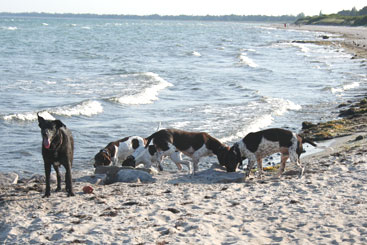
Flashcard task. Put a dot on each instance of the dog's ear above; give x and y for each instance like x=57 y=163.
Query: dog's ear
x=59 y=124
x=41 y=121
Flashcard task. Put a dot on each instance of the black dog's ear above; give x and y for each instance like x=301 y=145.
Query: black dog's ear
x=41 y=121
x=59 y=124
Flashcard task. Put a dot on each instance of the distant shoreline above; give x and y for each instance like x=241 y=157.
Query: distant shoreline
x=235 y=18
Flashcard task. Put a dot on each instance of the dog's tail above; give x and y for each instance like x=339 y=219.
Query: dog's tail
x=159 y=126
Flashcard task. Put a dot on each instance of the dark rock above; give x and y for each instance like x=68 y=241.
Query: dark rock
x=130 y=203
x=134 y=176
x=360 y=137
x=342 y=105
x=173 y=210
x=347 y=113
x=308 y=125
x=125 y=174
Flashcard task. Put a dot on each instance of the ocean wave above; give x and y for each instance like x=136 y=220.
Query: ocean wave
x=342 y=88
x=247 y=61
x=195 y=53
x=303 y=47
x=147 y=95
x=10 y=28
x=281 y=106
x=256 y=124
x=86 y=108
x=248 y=50
x=266 y=109
x=28 y=116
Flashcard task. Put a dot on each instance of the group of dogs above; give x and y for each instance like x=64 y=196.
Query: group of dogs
x=58 y=149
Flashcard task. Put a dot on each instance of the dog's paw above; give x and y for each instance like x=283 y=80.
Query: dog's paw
x=71 y=194
x=46 y=195
x=58 y=189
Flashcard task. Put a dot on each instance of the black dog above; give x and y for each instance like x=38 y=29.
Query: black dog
x=57 y=149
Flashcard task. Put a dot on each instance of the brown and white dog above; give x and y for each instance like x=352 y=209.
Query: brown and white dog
x=118 y=151
x=192 y=144
x=255 y=146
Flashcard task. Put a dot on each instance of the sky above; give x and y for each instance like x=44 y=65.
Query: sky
x=186 y=7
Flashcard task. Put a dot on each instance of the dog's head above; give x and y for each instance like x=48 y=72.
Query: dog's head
x=130 y=161
x=102 y=158
x=222 y=154
x=49 y=130
x=233 y=158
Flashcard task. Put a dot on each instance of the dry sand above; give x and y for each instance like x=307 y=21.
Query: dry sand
x=327 y=206
x=354 y=38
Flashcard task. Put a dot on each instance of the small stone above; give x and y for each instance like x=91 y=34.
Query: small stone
x=293 y=201
x=359 y=137
x=173 y=210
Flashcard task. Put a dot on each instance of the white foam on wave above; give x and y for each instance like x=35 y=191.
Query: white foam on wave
x=344 y=87
x=10 y=28
x=248 y=50
x=281 y=106
x=44 y=24
x=303 y=47
x=256 y=124
x=195 y=53
x=264 y=117
x=28 y=116
x=244 y=59
x=149 y=94
x=86 y=108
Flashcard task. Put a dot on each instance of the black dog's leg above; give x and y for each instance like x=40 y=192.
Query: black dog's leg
x=47 y=173
x=68 y=181
x=58 y=176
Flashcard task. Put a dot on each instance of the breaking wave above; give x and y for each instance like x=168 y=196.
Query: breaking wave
x=149 y=94
x=86 y=108
x=264 y=112
x=244 y=59
x=344 y=87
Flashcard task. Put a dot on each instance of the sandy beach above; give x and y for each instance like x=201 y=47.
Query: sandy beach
x=354 y=38
x=327 y=206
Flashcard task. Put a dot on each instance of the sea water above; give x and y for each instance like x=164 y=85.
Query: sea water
x=108 y=79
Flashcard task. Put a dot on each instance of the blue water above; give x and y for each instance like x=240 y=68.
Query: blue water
x=107 y=79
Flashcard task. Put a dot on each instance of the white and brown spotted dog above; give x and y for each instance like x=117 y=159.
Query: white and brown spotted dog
x=192 y=144
x=118 y=151
x=255 y=146
x=149 y=155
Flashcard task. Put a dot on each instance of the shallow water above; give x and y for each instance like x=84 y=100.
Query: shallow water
x=107 y=79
